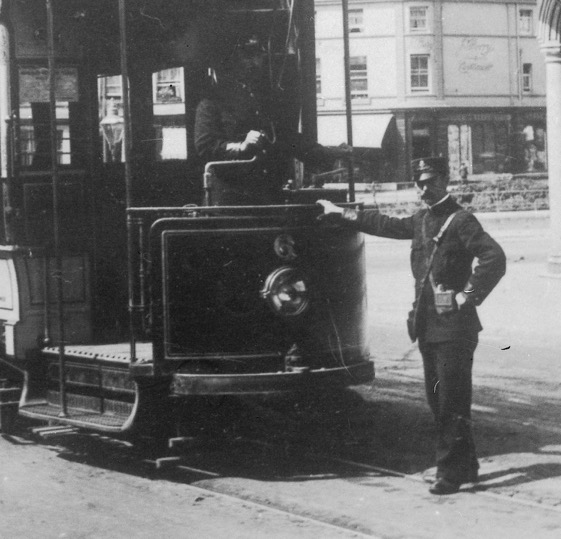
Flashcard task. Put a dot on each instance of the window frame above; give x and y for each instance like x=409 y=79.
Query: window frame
x=358 y=75
x=526 y=22
x=356 y=26
x=318 y=79
x=419 y=72
x=177 y=82
x=527 y=78
x=415 y=29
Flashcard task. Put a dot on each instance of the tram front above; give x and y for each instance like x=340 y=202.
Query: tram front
x=136 y=270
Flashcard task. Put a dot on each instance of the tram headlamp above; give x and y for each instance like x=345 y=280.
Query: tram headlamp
x=286 y=291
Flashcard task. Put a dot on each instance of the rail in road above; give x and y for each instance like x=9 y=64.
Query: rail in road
x=339 y=496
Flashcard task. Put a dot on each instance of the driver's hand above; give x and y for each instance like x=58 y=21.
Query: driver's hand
x=329 y=207
x=254 y=139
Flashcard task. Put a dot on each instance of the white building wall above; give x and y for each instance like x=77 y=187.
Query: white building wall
x=477 y=55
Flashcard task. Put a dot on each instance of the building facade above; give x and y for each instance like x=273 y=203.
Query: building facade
x=465 y=80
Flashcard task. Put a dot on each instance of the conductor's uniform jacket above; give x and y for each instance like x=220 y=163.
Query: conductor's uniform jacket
x=463 y=241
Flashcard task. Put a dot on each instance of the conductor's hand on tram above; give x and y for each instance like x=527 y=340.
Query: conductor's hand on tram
x=329 y=208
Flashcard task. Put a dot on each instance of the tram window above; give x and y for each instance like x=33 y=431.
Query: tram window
x=111 y=122
x=35 y=145
x=168 y=101
x=35 y=118
x=169 y=114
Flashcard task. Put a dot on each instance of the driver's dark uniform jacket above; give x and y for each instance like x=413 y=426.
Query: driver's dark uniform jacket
x=446 y=341
x=221 y=125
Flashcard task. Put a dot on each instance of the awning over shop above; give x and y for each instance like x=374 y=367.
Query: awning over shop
x=372 y=131
x=380 y=126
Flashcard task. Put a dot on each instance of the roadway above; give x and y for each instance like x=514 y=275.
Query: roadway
x=338 y=465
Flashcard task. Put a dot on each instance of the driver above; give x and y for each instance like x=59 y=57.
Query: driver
x=237 y=123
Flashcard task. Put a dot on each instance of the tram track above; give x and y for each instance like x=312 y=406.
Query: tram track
x=474 y=489
x=273 y=456
x=221 y=469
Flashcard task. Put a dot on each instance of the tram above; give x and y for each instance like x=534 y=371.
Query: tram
x=124 y=290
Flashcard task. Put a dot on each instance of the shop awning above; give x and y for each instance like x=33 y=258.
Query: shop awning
x=372 y=131
x=380 y=126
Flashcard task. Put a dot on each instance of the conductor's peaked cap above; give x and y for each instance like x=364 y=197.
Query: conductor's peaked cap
x=428 y=167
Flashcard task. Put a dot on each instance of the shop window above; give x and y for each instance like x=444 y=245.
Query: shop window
x=419 y=66
x=421 y=141
x=418 y=19
x=527 y=77
x=535 y=143
x=356 y=21
x=489 y=146
x=460 y=150
x=526 y=22
x=359 y=77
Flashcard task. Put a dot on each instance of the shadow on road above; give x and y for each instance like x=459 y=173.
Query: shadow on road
x=295 y=439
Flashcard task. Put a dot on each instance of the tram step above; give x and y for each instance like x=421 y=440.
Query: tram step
x=51 y=432
x=91 y=404
x=76 y=417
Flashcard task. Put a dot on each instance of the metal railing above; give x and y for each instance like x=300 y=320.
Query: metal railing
x=487 y=200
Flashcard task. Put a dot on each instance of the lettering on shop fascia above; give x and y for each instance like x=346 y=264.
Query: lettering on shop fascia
x=458 y=118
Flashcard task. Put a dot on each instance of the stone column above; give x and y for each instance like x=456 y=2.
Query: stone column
x=552 y=52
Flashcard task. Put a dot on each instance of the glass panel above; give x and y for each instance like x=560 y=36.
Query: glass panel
x=527 y=77
x=359 y=77
x=526 y=22
x=169 y=114
x=419 y=72
x=35 y=136
x=35 y=121
x=111 y=122
x=355 y=20
x=417 y=19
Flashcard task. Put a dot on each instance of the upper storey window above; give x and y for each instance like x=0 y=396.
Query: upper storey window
x=359 y=77
x=356 y=21
x=419 y=74
x=318 y=77
x=526 y=22
x=418 y=19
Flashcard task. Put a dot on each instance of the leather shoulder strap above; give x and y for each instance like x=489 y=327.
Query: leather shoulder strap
x=444 y=227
